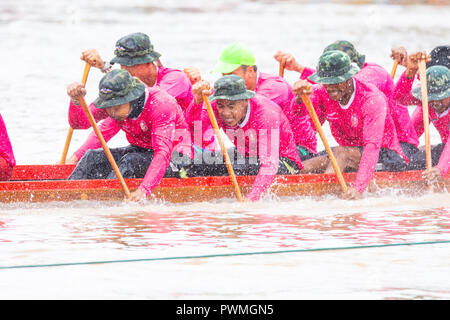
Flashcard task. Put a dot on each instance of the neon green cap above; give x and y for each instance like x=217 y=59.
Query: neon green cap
x=233 y=56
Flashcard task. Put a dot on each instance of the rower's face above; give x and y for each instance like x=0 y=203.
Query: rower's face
x=440 y=105
x=146 y=72
x=249 y=76
x=232 y=112
x=338 y=90
x=120 y=112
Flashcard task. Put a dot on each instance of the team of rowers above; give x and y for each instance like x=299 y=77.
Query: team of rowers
x=162 y=111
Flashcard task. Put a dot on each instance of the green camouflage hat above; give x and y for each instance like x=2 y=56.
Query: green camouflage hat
x=231 y=87
x=118 y=87
x=234 y=56
x=133 y=49
x=348 y=48
x=334 y=67
x=438 y=84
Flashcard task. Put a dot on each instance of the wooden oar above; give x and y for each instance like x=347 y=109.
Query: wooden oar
x=281 y=70
x=316 y=121
x=394 y=69
x=104 y=145
x=213 y=120
x=426 y=120
x=66 y=146
x=87 y=67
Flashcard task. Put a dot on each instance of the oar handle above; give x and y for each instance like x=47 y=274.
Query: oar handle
x=394 y=69
x=281 y=70
x=104 y=145
x=426 y=118
x=66 y=146
x=213 y=120
x=316 y=121
x=87 y=67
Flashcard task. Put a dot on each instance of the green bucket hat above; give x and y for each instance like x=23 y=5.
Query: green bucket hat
x=118 y=87
x=438 y=84
x=233 y=56
x=334 y=67
x=133 y=49
x=348 y=48
x=231 y=87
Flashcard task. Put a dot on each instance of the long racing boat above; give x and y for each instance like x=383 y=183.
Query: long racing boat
x=44 y=183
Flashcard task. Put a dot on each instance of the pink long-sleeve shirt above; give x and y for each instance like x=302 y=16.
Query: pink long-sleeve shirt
x=6 y=151
x=365 y=122
x=265 y=132
x=280 y=91
x=161 y=126
x=177 y=84
x=174 y=82
x=380 y=78
x=444 y=160
x=441 y=122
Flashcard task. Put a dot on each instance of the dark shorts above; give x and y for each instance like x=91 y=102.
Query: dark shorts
x=210 y=163
x=389 y=160
x=418 y=160
x=132 y=162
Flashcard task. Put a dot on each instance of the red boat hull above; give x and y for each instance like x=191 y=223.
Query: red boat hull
x=41 y=183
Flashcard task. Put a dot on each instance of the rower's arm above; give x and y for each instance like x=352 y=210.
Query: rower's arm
x=79 y=120
x=402 y=91
x=444 y=160
x=318 y=100
x=177 y=84
x=6 y=150
x=306 y=73
x=268 y=153
x=200 y=125
x=108 y=129
x=374 y=122
x=163 y=134
x=417 y=120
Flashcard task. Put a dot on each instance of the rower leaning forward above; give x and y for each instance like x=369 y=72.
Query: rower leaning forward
x=438 y=91
x=256 y=126
x=154 y=125
x=360 y=122
x=134 y=53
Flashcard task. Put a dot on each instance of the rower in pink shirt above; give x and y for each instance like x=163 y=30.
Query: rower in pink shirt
x=238 y=59
x=135 y=54
x=359 y=121
x=255 y=125
x=369 y=73
x=174 y=82
x=438 y=85
x=7 y=160
x=154 y=125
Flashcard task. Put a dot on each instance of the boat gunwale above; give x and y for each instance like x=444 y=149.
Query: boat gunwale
x=59 y=173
